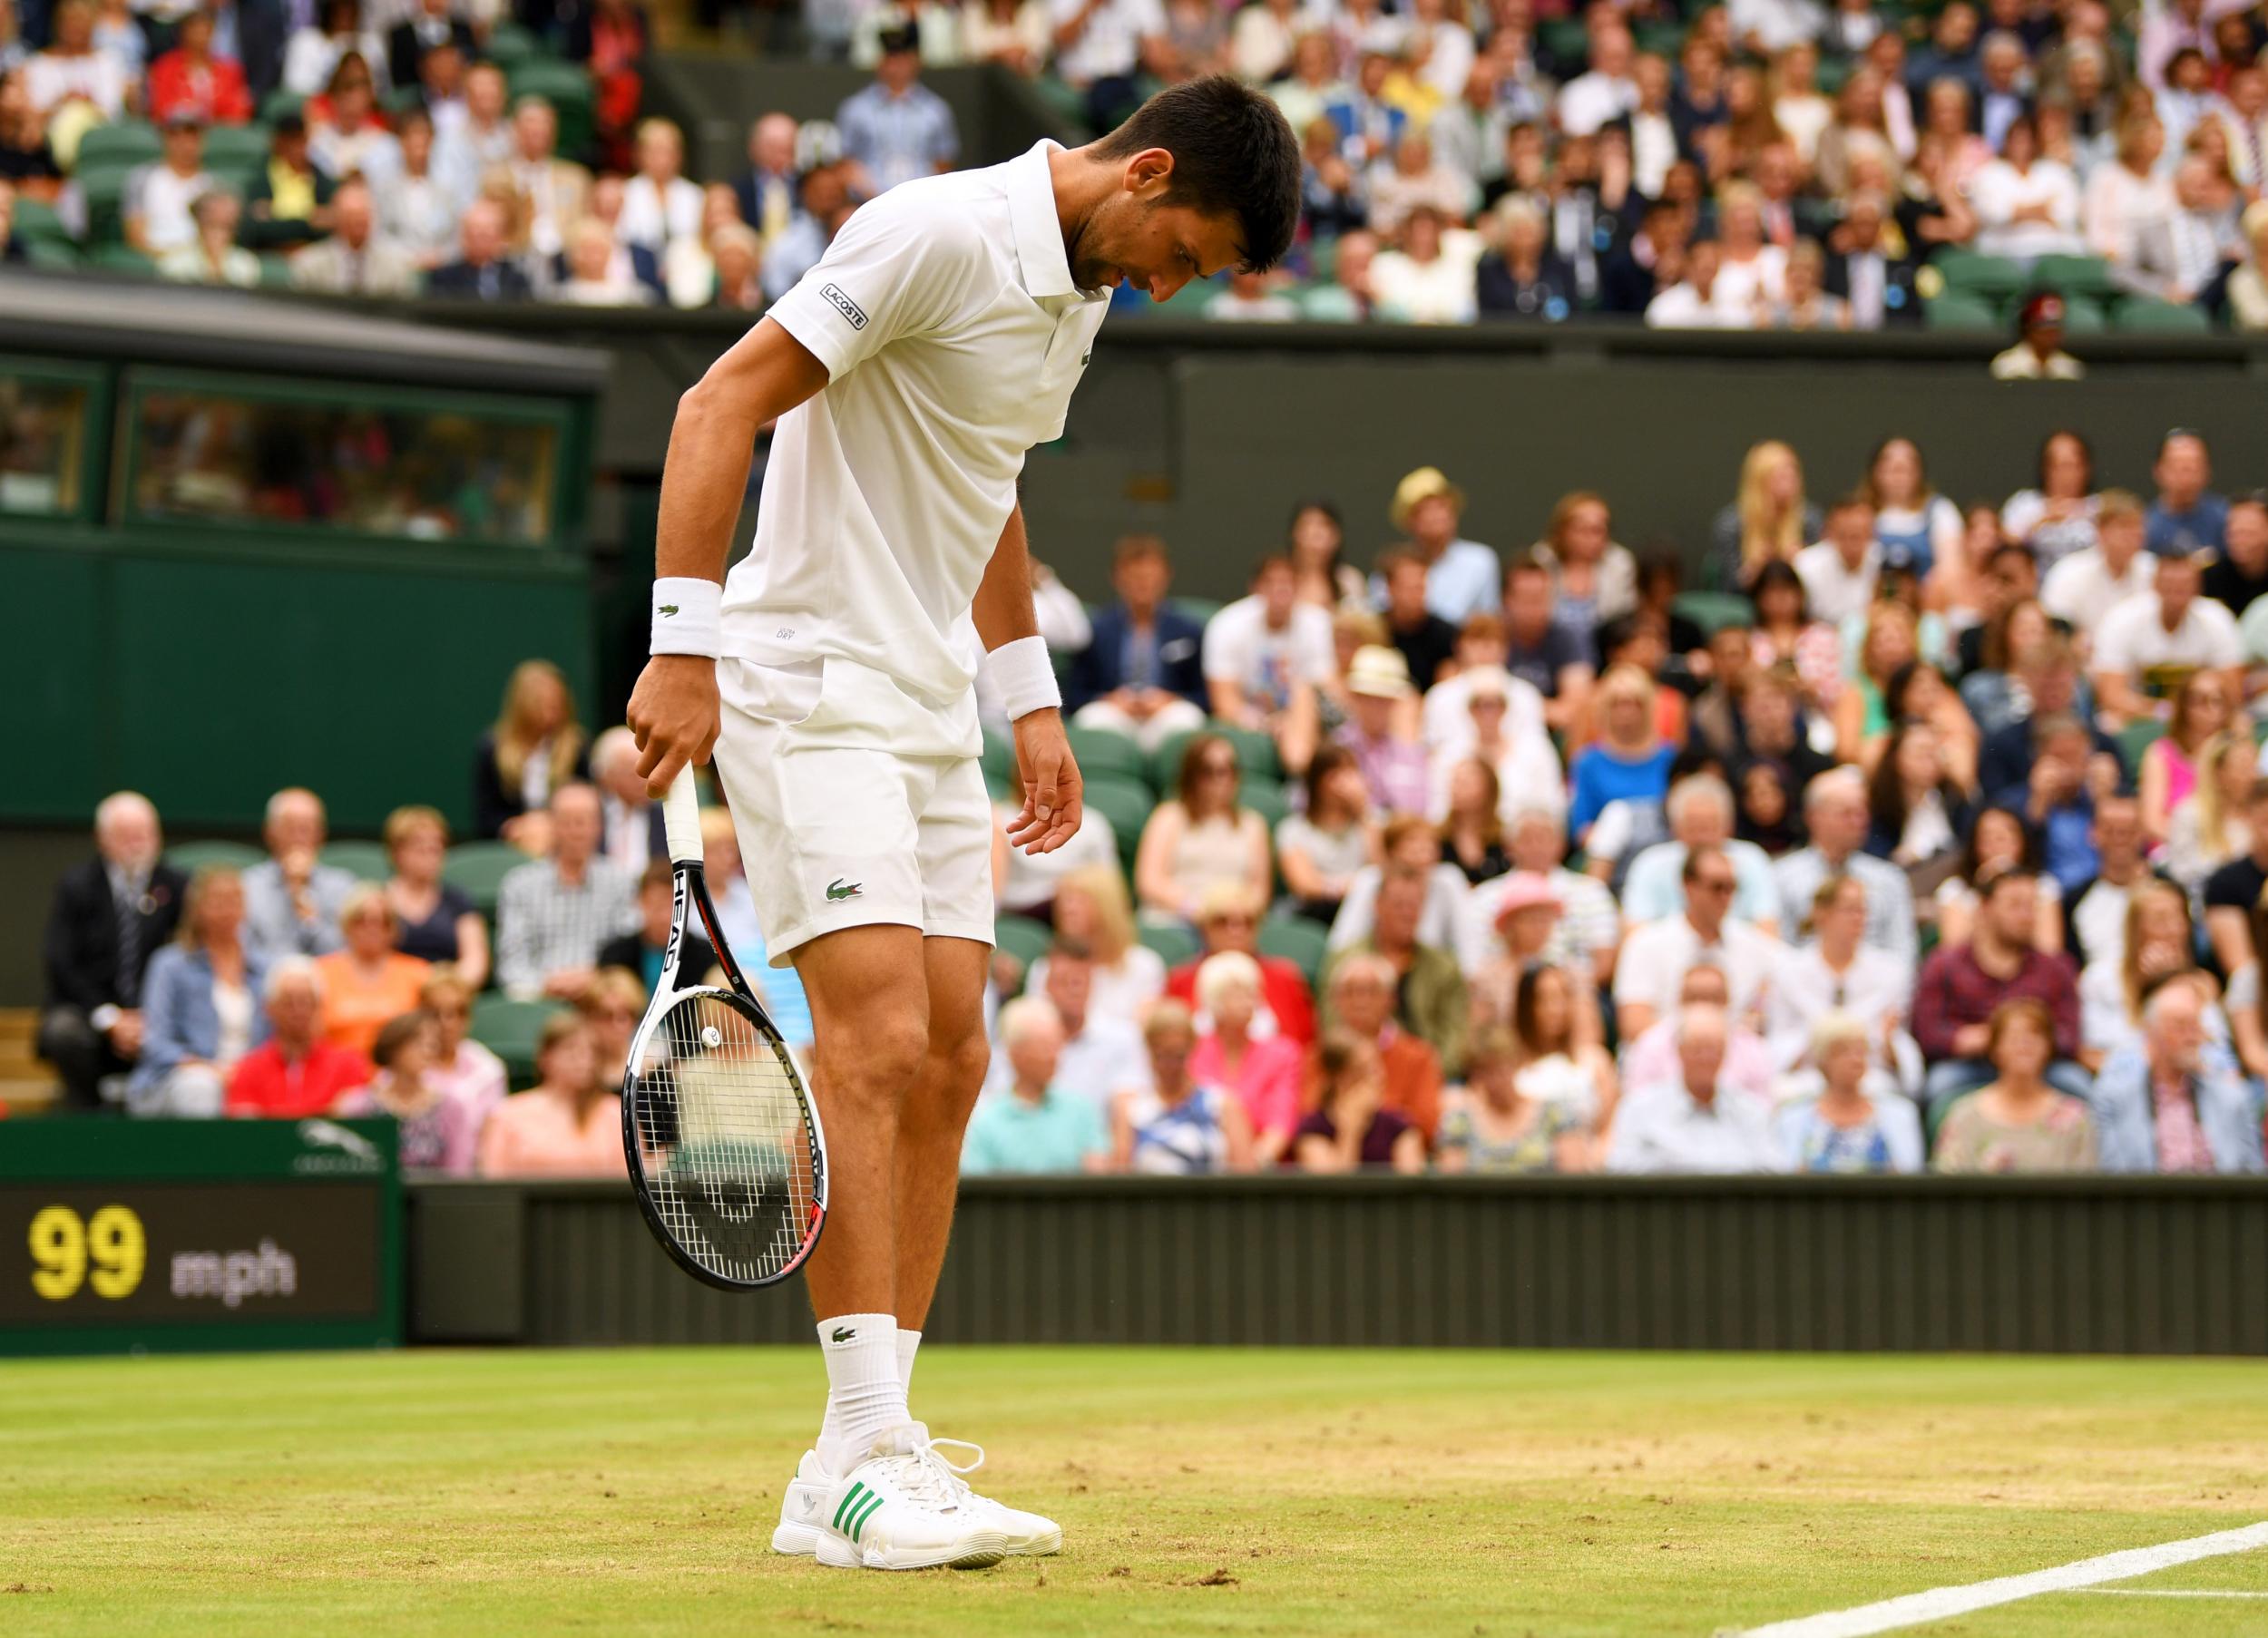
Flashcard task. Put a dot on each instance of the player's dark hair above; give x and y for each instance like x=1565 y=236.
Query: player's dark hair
x=1234 y=154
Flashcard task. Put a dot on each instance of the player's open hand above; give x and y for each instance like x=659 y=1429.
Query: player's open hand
x=673 y=711
x=1052 y=798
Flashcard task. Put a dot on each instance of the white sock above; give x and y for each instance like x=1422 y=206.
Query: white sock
x=866 y=1395
x=830 y=1424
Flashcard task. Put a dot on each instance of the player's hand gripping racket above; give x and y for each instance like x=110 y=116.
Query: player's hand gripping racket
x=724 y=1144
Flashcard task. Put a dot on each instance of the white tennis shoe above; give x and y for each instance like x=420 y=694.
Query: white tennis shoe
x=804 y=1515
x=904 y=1508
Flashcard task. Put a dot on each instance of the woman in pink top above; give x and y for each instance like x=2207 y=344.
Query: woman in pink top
x=568 y=1125
x=1263 y=1073
x=462 y=1068
x=2202 y=708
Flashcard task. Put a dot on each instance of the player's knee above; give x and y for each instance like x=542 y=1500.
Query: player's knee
x=960 y=1067
x=883 y=1055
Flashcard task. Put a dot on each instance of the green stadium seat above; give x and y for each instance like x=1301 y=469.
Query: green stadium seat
x=275 y=271
x=478 y=869
x=104 y=187
x=1126 y=804
x=1175 y=944
x=1667 y=39
x=2083 y=316
x=279 y=103
x=1199 y=609
x=1711 y=609
x=509 y=1028
x=52 y=253
x=1956 y=310
x=1993 y=278
x=2087 y=275
x=36 y=222
x=2136 y=737
x=1022 y=936
x=236 y=147
x=1268 y=798
x=194 y=856
x=566 y=87
x=1256 y=753
x=364 y=860
x=1566 y=42
x=998 y=760
x=128 y=142
x=1296 y=939
x=123 y=259
x=2148 y=315
x=509 y=45
x=1102 y=751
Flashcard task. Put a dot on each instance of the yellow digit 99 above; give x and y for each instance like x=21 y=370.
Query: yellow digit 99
x=63 y=1245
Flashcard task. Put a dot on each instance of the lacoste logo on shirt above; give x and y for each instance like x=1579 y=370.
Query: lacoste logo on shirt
x=836 y=891
x=1090 y=353
x=845 y=306
x=843 y=1333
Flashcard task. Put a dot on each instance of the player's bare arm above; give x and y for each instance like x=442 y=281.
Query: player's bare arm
x=767 y=371
x=1044 y=765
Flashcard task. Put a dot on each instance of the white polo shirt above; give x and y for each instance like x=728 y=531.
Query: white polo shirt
x=1834 y=593
x=1656 y=957
x=2133 y=638
x=952 y=336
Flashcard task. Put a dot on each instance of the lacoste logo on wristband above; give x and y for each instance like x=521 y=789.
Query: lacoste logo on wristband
x=845 y=306
x=668 y=609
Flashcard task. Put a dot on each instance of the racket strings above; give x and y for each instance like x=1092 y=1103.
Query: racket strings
x=729 y=1155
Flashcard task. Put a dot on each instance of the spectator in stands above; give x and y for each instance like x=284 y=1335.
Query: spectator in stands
x=1555 y=1024
x=109 y=915
x=1835 y=972
x=2143 y=647
x=1142 y=674
x=827 y=206
x=2181 y=257
x=1101 y=1052
x=632 y=819
x=428 y=26
x=212 y=257
x=482 y=272
x=1428 y=990
x=1690 y=303
x=2208 y=830
x=1874 y=275
x=1516 y=768
x=296 y=1072
x=1426 y=640
x=1179 y=1126
x=1960 y=985
x=658 y=204
x=1593 y=579
x=2087 y=583
x=1426 y=274
x=1919 y=809
x=553 y=914
x=640 y=950
x=1998 y=837
x=201 y=1004
x=2156 y=946
x=1500 y=1129
x=1409 y=842
x=2027 y=205
x=896 y=127
x=369 y=980
x=1201 y=836
x=347 y=135
x=292 y=899
x=158 y=196
x=1590 y=930
x=2203 y=706
x=535 y=745
x=354 y=260
x=474 y=138
x=2247 y=289
x=568 y=1125
x=412 y=205
x=1769 y=520
x=1629 y=761
x=1649 y=262
x=2057 y=517
x=552 y=194
x=2017 y=1121
x=1091 y=913
x=72 y=69
x=1542 y=653
x=1525 y=909
x=26 y=159
x=436 y=1131
x=2187 y=516
x=2038 y=355
x=1352 y=1127
x=1316 y=542
x=1842 y=1129
x=314 y=48
x=767 y=190
x=610 y=40
x=1697 y=1122
x=2127 y=195
x=1263 y=1071
x=1701 y=814
x=1228 y=919
x=1361 y=996
x=1655 y=956
x=1015 y=34
x=437 y=923
x=1392 y=760
x=465 y=1071
x=2175 y=1100
x=611 y=1006
x=2239 y=577
x=1265 y=656
x=737 y=256
x=597 y=276
x=1463 y=577
x=290 y=203
x=1320 y=848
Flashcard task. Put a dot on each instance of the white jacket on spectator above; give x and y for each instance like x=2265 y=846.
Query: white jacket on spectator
x=1998 y=191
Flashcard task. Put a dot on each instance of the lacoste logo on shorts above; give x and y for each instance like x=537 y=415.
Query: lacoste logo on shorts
x=845 y=306
x=836 y=890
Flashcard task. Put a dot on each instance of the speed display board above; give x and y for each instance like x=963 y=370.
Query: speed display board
x=122 y=1236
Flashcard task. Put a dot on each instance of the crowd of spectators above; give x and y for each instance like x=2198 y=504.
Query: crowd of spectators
x=1936 y=834
x=1760 y=163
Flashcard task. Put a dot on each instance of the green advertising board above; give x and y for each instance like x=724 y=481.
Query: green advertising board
x=124 y=1236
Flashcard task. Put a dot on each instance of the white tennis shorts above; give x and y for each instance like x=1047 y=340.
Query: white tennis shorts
x=837 y=835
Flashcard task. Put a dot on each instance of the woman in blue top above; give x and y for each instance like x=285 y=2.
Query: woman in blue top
x=1915 y=524
x=1176 y=1127
x=201 y=1004
x=1629 y=761
x=1842 y=1129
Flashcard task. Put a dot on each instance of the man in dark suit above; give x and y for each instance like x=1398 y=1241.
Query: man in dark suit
x=769 y=190
x=641 y=951
x=1143 y=675
x=1862 y=271
x=482 y=272
x=109 y=915
x=407 y=42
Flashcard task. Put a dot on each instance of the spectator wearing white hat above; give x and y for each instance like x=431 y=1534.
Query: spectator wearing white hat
x=1462 y=578
x=1527 y=768
x=1392 y=760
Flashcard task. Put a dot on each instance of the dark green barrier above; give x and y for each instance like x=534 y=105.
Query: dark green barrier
x=2055 y=1265
x=173 y=1235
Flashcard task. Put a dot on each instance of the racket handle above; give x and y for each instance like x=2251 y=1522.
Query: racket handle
x=682 y=818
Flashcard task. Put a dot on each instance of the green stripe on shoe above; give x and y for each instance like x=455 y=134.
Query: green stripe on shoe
x=851 y=1498
x=859 y=1518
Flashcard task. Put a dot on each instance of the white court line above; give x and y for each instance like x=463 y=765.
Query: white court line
x=1939 y=1602
x=2160 y=1593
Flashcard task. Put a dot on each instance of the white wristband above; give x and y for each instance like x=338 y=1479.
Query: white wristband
x=1025 y=676
x=686 y=618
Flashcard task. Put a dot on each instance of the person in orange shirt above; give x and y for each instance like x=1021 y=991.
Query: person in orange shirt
x=368 y=982
x=568 y=1125
x=1362 y=1002
x=294 y=1073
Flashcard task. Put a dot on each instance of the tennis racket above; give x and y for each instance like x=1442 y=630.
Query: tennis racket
x=724 y=1144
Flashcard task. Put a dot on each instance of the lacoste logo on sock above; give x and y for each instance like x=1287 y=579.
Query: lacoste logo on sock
x=836 y=889
x=843 y=1333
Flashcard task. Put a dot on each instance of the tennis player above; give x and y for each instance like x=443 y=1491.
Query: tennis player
x=832 y=678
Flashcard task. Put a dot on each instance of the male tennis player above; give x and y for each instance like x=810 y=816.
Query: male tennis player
x=936 y=341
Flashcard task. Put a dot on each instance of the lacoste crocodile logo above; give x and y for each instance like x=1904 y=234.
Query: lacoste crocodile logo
x=843 y=1333
x=668 y=609
x=836 y=890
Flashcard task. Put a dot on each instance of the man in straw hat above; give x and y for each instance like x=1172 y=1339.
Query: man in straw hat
x=1462 y=578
